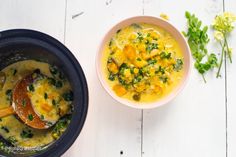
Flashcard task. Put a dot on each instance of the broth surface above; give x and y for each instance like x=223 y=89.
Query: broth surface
x=142 y=63
x=12 y=129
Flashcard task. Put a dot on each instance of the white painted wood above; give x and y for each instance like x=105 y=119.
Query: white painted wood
x=43 y=15
x=191 y=125
x=110 y=126
x=230 y=5
x=194 y=123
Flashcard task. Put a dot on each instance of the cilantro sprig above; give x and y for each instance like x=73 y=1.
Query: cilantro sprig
x=198 y=40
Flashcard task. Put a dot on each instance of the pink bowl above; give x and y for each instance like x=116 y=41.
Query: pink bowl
x=162 y=24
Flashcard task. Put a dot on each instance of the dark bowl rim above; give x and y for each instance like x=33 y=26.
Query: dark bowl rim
x=56 y=148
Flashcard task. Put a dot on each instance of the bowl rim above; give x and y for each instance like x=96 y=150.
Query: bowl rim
x=165 y=100
x=61 y=145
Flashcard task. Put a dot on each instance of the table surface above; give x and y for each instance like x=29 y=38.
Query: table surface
x=200 y=122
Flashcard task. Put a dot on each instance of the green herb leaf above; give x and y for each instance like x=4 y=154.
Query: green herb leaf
x=198 y=40
x=23 y=102
x=26 y=133
x=30 y=117
x=5 y=129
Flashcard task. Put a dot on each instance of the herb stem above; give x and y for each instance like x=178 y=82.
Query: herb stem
x=221 y=60
x=204 y=79
x=228 y=51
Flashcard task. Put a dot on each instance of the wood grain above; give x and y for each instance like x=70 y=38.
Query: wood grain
x=111 y=129
x=230 y=5
x=194 y=123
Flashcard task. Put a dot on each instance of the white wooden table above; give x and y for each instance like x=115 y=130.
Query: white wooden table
x=200 y=122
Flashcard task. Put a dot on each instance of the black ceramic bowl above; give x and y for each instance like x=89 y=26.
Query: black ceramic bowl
x=17 y=45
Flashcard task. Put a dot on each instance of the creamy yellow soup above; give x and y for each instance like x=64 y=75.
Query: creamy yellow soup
x=142 y=63
x=51 y=99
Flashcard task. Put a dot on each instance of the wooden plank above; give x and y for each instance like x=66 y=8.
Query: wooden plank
x=38 y=15
x=111 y=129
x=194 y=123
x=230 y=5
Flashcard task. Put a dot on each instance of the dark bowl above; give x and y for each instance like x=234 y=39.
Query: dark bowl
x=17 y=45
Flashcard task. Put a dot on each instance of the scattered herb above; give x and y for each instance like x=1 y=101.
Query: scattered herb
x=165 y=55
x=61 y=75
x=53 y=70
x=30 y=88
x=42 y=117
x=2 y=79
x=23 y=102
x=223 y=24
x=164 y=79
x=136 y=26
x=52 y=81
x=68 y=96
x=12 y=140
x=45 y=95
x=9 y=94
x=198 y=40
x=137 y=96
x=5 y=129
x=151 y=47
x=178 y=65
x=54 y=102
x=152 y=61
x=112 y=77
x=58 y=84
x=26 y=133
x=14 y=71
x=160 y=70
x=140 y=36
x=118 y=31
x=30 y=117
x=60 y=127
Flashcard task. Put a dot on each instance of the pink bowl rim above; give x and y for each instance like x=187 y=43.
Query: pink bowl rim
x=150 y=105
